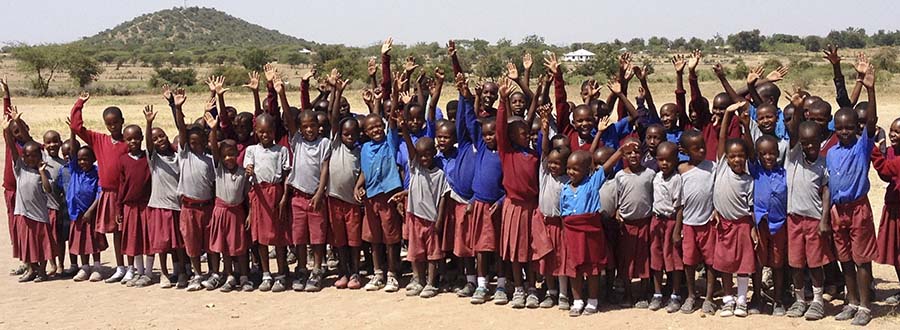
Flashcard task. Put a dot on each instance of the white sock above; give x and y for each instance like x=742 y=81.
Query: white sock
x=482 y=282
x=470 y=278
x=501 y=282
x=657 y=295
x=798 y=294
x=817 y=294
x=120 y=269
x=563 y=286
x=727 y=299
x=267 y=276
x=578 y=304
x=520 y=289
x=674 y=296
x=148 y=264
x=592 y=303
x=139 y=264
x=743 y=283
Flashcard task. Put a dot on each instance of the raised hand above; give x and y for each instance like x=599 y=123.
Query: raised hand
x=43 y=167
x=831 y=54
x=719 y=70
x=778 y=74
x=624 y=61
x=14 y=115
x=862 y=64
x=4 y=85
x=594 y=89
x=754 y=75
x=378 y=93
x=796 y=98
x=149 y=114
x=451 y=48
x=462 y=84
x=527 y=61
x=367 y=96
x=220 y=85
x=371 y=67
x=511 y=71
x=614 y=86
x=211 y=104
x=308 y=75
x=504 y=88
x=85 y=96
x=551 y=63
x=166 y=92
x=641 y=73
x=387 y=45
x=694 y=60
x=604 y=123
x=341 y=84
x=629 y=72
x=211 y=83
x=211 y=121
x=179 y=97
x=253 y=82
x=410 y=65
x=869 y=80
x=405 y=97
x=678 y=62
x=734 y=107
x=278 y=84
x=270 y=71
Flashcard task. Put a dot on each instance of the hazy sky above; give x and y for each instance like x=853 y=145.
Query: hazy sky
x=363 y=23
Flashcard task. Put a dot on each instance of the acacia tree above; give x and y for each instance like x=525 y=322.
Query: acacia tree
x=43 y=62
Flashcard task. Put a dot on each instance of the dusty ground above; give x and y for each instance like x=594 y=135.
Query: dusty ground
x=63 y=304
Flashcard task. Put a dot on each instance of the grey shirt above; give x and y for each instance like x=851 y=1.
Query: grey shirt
x=634 y=191
x=697 y=191
x=164 y=181
x=269 y=164
x=231 y=186
x=31 y=200
x=426 y=187
x=550 y=187
x=608 y=201
x=308 y=159
x=343 y=171
x=197 y=175
x=732 y=193
x=57 y=198
x=666 y=194
x=805 y=182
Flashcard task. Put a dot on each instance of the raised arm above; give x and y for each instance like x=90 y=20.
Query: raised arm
x=862 y=66
x=871 y=110
x=744 y=118
x=288 y=115
x=831 y=55
x=435 y=94
x=679 y=62
x=752 y=78
x=335 y=116
x=7 y=102
x=465 y=112
x=616 y=156
x=793 y=125
x=271 y=93
x=454 y=60
x=692 y=75
x=407 y=137
x=720 y=73
x=641 y=74
x=304 y=89
x=213 y=135
x=7 y=134
x=545 y=130
x=503 y=143
x=386 y=67
x=723 y=129
x=149 y=115
x=602 y=125
x=625 y=74
x=521 y=80
x=559 y=91
x=616 y=89
x=45 y=179
x=533 y=104
x=77 y=122
x=224 y=117
x=178 y=113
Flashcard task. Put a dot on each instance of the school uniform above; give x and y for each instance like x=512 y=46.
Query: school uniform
x=82 y=189
x=134 y=194
x=667 y=198
x=308 y=225
x=487 y=190
x=9 y=192
x=610 y=137
x=196 y=185
x=783 y=144
x=403 y=154
x=733 y=200
x=634 y=192
x=344 y=211
x=609 y=204
x=698 y=243
x=549 y=213
x=805 y=181
x=164 y=206
x=585 y=241
x=851 y=215
x=426 y=188
x=770 y=199
x=266 y=189
x=459 y=166
x=108 y=152
x=56 y=201
x=226 y=227
x=382 y=224
x=888 y=244
x=33 y=222
x=710 y=135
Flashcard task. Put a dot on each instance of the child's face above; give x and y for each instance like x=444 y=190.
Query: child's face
x=810 y=141
x=695 y=149
x=266 y=135
x=820 y=116
x=160 y=140
x=417 y=119
x=113 y=124
x=535 y=129
x=229 y=156
x=350 y=133
x=667 y=159
x=19 y=132
x=451 y=114
x=653 y=137
x=520 y=134
x=425 y=154
x=766 y=117
x=736 y=156
x=668 y=116
x=787 y=113
x=375 y=128
x=309 y=127
x=632 y=156
x=556 y=163
x=845 y=127
x=584 y=121
x=324 y=124
x=345 y=106
x=66 y=149
x=198 y=143
x=243 y=125
x=577 y=169
x=517 y=104
x=861 y=119
x=894 y=133
x=31 y=155
x=489 y=134
x=489 y=93
x=444 y=137
x=767 y=152
x=52 y=143
x=85 y=159
x=133 y=139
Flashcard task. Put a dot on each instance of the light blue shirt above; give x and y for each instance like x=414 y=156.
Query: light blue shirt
x=378 y=164
x=848 y=169
x=585 y=198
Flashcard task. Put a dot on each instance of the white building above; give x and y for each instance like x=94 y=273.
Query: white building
x=581 y=55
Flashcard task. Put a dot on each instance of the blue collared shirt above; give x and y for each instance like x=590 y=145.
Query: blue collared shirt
x=487 y=183
x=378 y=164
x=82 y=188
x=848 y=169
x=769 y=195
x=459 y=163
x=780 y=129
x=585 y=198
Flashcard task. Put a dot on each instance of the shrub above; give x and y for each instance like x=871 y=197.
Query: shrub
x=186 y=77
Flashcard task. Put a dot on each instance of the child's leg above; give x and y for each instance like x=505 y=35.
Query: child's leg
x=244 y=264
x=711 y=283
x=481 y=268
x=354 y=260
x=227 y=265
x=318 y=255
x=743 y=283
x=517 y=275
x=779 y=285
x=85 y=260
x=593 y=288
x=213 y=262
x=163 y=265
x=96 y=258
x=281 y=260
x=393 y=258
x=418 y=268
x=850 y=278
x=195 y=264
x=302 y=257
x=727 y=286
x=657 y=282
x=798 y=281
x=690 y=276
x=117 y=248
x=757 y=287
x=864 y=281
x=676 y=282
x=577 y=289
x=263 y=255
x=432 y=273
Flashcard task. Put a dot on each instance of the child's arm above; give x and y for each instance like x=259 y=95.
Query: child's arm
x=213 y=135
x=720 y=73
x=372 y=69
x=403 y=123
x=439 y=224
x=723 y=129
x=465 y=112
x=360 y=187
x=692 y=75
x=625 y=74
x=744 y=118
x=178 y=113
x=92 y=210
x=503 y=143
x=679 y=220
x=224 y=118
x=862 y=66
x=386 y=67
x=316 y=201
x=7 y=134
x=304 y=89
x=752 y=78
x=435 y=94
x=641 y=74
x=76 y=122
x=602 y=125
x=614 y=159
x=559 y=91
x=527 y=62
x=521 y=80
x=7 y=102
x=616 y=89
x=288 y=115
x=339 y=87
x=679 y=63
x=793 y=126
x=454 y=60
x=545 y=130
x=831 y=55
x=532 y=105
x=149 y=115
x=825 y=223
x=253 y=85
x=871 y=110
x=271 y=94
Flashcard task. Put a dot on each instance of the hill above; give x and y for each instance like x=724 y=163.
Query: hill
x=189 y=29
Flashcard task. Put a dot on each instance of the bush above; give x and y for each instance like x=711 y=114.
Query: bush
x=740 y=70
x=771 y=64
x=886 y=59
x=186 y=77
x=234 y=76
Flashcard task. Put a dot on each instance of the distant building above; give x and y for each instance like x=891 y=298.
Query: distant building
x=305 y=51
x=581 y=55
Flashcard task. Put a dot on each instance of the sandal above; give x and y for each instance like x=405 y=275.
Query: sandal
x=428 y=292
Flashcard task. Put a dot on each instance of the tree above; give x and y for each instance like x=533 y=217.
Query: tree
x=882 y=38
x=41 y=61
x=746 y=41
x=490 y=67
x=254 y=58
x=296 y=58
x=812 y=43
x=849 y=38
x=83 y=68
x=186 y=77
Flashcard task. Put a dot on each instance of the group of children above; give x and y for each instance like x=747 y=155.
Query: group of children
x=515 y=191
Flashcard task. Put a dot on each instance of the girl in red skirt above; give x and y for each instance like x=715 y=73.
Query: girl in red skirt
x=164 y=206
x=32 y=186
x=134 y=194
x=552 y=179
x=81 y=203
x=523 y=239
x=735 y=232
x=227 y=236
x=108 y=147
x=888 y=166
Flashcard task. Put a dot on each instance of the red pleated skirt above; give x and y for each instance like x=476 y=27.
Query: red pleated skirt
x=554 y=263
x=226 y=229
x=523 y=238
x=265 y=226
x=734 y=247
x=486 y=227
x=135 y=238
x=162 y=230
x=34 y=240
x=84 y=239
x=585 y=245
x=108 y=212
x=889 y=236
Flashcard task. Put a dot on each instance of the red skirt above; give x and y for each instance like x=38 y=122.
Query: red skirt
x=633 y=250
x=381 y=224
x=162 y=231
x=84 y=239
x=308 y=225
x=806 y=246
x=346 y=223
x=194 y=224
x=485 y=227
x=554 y=263
x=734 y=247
x=10 y=197
x=463 y=231
x=424 y=241
x=454 y=211
x=226 y=229
x=698 y=244
x=523 y=237
x=889 y=236
x=135 y=239
x=34 y=240
x=853 y=230
x=585 y=245
x=108 y=212
x=664 y=254
x=265 y=226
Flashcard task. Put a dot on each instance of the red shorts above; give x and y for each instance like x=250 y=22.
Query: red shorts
x=382 y=224
x=486 y=225
x=84 y=240
x=889 y=236
x=455 y=220
x=463 y=231
x=308 y=225
x=194 y=224
x=134 y=230
x=108 y=212
x=523 y=238
x=633 y=250
x=346 y=223
x=806 y=246
x=226 y=229
x=554 y=263
x=664 y=254
x=854 y=231
x=34 y=240
x=734 y=246
x=585 y=245
x=772 y=249
x=162 y=229
x=10 y=197
x=266 y=226
x=424 y=241
x=698 y=244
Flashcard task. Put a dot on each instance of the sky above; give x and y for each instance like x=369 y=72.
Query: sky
x=363 y=23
